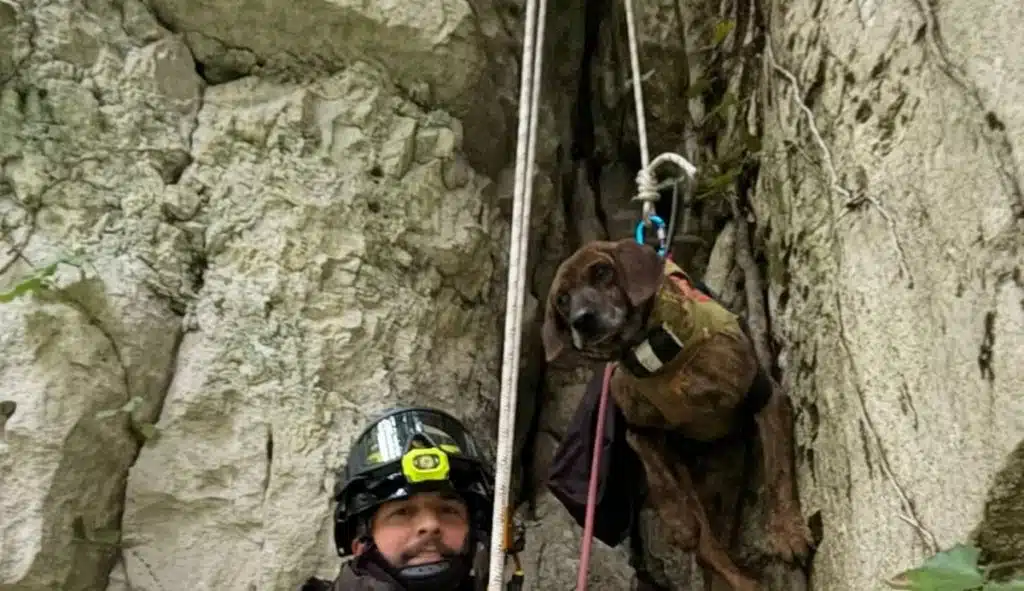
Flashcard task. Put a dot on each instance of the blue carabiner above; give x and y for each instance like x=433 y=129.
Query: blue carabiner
x=659 y=227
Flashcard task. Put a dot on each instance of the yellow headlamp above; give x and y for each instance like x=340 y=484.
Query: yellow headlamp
x=425 y=464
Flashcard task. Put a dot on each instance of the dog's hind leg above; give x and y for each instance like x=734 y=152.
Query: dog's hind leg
x=787 y=531
x=666 y=492
x=711 y=554
x=674 y=495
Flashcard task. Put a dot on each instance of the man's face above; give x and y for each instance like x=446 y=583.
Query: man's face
x=420 y=529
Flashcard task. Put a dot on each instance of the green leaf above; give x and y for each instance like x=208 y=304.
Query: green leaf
x=955 y=569
x=128 y=407
x=133 y=404
x=48 y=270
x=36 y=281
x=721 y=181
x=899 y=582
x=1014 y=585
x=31 y=283
x=722 y=31
x=25 y=286
x=148 y=431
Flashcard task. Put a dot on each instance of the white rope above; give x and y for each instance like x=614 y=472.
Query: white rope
x=647 y=188
x=522 y=196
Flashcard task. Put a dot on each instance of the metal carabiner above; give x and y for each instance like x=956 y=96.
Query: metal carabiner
x=660 y=232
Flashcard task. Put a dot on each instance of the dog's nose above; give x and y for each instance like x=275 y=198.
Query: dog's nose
x=584 y=320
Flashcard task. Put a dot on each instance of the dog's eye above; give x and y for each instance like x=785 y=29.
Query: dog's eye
x=602 y=273
x=563 y=301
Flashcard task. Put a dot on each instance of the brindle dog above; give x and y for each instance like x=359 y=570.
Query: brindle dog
x=602 y=303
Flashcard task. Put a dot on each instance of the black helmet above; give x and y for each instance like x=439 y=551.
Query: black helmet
x=404 y=452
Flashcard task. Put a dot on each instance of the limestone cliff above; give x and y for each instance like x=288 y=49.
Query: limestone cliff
x=276 y=220
x=892 y=194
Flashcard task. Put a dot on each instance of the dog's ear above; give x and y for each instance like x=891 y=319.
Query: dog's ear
x=554 y=339
x=639 y=269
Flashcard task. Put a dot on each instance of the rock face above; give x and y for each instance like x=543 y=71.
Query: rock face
x=242 y=229
x=896 y=245
x=267 y=263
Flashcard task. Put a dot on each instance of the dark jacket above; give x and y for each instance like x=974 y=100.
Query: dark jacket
x=363 y=575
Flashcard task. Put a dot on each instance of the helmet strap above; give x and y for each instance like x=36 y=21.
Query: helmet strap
x=447 y=573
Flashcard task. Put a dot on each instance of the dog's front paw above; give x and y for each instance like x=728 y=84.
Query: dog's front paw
x=789 y=536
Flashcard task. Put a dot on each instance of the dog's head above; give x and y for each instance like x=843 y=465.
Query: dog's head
x=598 y=299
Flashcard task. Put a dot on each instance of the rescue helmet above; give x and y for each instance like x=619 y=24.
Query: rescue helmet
x=407 y=451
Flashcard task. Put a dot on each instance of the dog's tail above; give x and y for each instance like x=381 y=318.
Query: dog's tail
x=758 y=395
x=749 y=469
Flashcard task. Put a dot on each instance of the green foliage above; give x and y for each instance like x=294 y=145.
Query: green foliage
x=100 y=537
x=38 y=280
x=30 y=284
x=143 y=431
x=41 y=280
x=956 y=569
x=128 y=407
x=722 y=31
x=726 y=103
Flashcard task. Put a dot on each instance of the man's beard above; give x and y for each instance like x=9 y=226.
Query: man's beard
x=435 y=542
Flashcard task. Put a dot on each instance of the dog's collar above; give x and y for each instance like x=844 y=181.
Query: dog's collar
x=659 y=347
x=660 y=344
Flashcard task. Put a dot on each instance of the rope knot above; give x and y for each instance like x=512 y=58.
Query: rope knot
x=647 y=191
x=647 y=194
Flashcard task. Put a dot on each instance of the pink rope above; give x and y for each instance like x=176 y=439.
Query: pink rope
x=595 y=465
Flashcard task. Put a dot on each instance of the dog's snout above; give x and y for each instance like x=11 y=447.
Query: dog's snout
x=584 y=320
